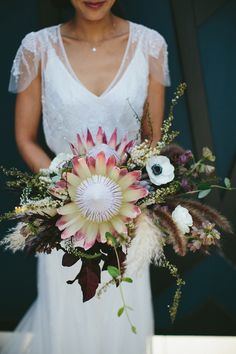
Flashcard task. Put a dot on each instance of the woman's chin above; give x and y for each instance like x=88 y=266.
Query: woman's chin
x=94 y=16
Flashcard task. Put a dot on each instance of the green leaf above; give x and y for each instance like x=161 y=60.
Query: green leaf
x=134 y=329
x=204 y=193
x=113 y=271
x=204 y=186
x=120 y=311
x=127 y=280
x=227 y=182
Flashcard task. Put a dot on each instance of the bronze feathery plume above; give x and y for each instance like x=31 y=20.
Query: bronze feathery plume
x=166 y=220
x=206 y=212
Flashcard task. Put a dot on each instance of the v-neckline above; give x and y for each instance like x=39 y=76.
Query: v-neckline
x=75 y=76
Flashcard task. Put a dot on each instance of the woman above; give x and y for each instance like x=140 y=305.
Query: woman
x=95 y=70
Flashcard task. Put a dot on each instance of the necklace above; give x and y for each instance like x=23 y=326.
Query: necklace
x=94 y=45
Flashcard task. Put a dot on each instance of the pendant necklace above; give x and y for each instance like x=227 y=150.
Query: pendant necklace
x=94 y=46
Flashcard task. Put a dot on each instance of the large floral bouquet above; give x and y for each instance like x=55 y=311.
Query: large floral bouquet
x=115 y=205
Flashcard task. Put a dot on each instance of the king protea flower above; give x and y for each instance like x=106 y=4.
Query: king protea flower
x=88 y=146
x=103 y=200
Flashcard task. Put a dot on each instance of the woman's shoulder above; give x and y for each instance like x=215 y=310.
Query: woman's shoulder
x=146 y=33
x=40 y=38
x=149 y=39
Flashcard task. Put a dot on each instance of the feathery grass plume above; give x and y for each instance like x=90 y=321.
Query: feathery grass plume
x=14 y=241
x=176 y=235
x=209 y=213
x=145 y=247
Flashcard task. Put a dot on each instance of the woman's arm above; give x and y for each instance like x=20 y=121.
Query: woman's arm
x=153 y=112
x=27 y=118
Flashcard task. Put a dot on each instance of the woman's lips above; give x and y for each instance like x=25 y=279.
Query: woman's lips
x=94 y=5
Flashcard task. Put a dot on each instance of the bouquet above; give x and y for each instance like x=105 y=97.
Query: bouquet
x=115 y=204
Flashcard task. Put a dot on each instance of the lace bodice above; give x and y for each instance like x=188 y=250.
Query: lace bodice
x=68 y=106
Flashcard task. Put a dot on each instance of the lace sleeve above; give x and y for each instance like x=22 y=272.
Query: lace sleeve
x=25 y=65
x=158 y=58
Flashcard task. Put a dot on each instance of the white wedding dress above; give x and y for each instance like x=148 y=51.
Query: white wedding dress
x=59 y=322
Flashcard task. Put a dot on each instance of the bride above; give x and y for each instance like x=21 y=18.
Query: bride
x=95 y=70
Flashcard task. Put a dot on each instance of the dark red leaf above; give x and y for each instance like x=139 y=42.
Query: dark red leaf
x=89 y=279
x=69 y=260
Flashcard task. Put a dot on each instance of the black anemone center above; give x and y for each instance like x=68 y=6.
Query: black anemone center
x=156 y=169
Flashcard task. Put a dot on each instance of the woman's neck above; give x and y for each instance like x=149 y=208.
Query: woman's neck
x=94 y=31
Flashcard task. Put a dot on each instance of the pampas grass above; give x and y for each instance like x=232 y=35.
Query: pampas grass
x=14 y=241
x=145 y=247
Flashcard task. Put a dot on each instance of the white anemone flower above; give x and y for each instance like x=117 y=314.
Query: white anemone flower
x=160 y=170
x=182 y=218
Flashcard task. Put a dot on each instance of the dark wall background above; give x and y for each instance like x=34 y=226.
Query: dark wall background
x=202 y=51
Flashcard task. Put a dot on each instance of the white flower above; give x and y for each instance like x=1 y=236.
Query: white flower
x=182 y=218
x=56 y=163
x=59 y=160
x=160 y=170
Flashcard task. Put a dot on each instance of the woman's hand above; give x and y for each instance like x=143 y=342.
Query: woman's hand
x=27 y=118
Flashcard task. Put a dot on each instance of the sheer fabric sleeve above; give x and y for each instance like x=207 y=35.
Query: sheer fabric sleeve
x=25 y=65
x=158 y=58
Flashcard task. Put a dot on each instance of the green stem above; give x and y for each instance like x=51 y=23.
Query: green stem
x=122 y=293
x=211 y=186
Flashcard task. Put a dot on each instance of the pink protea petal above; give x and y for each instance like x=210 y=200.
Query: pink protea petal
x=56 y=192
x=129 y=145
x=72 y=192
x=130 y=211
x=73 y=149
x=83 y=169
x=104 y=138
x=101 y=164
x=75 y=164
x=66 y=220
x=111 y=163
x=103 y=229
x=89 y=140
x=66 y=209
x=123 y=144
x=71 y=230
x=123 y=158
x=129 y=179
x=81 y=148
x=123 y=172
x=91 y=235
x=91 y=162
x=72 y=179
x=134 y=193
x=99 y=135
x=80 y=235
x=113 y=139
x=114 y=174
x=119 y=225
x=61 y=184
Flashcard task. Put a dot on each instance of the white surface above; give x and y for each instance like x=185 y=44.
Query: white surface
x=191 y=345
x=3 y=337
